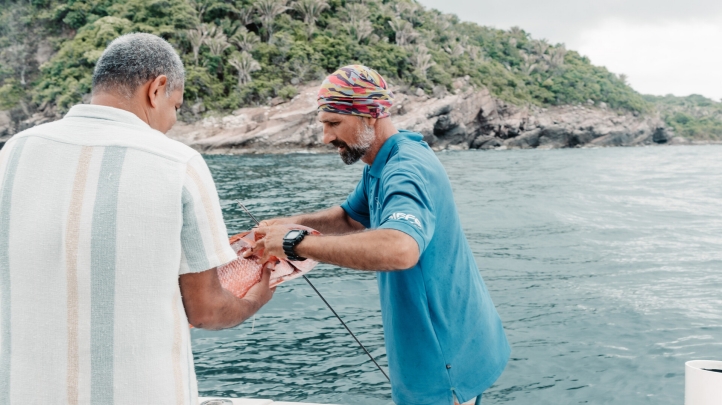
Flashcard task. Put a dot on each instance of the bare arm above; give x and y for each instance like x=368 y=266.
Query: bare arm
x=380 y=249
x=209 y=306
x=333 y=221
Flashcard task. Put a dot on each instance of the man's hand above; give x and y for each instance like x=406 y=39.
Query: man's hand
x=261 y=293
x=271 y=243
x=276 y=221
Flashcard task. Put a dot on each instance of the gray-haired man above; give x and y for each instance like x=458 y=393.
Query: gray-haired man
x=110 y=234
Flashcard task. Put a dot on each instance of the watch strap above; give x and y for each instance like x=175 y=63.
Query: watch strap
x=289 y=245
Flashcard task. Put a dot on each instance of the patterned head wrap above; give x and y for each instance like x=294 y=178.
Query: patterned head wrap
x=355 y=90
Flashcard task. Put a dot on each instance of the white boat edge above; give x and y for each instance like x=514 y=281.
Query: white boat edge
x=254 y=401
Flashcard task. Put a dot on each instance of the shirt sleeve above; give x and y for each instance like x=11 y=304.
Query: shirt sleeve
x=204 y=238
x=357 y=206
x=407 y=207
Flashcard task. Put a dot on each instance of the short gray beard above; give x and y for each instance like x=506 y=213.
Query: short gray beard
x=365 y=138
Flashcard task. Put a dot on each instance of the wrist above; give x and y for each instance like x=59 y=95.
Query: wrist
x=302 y=248
x=252 y=302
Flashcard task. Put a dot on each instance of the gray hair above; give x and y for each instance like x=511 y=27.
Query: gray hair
x=132 y=60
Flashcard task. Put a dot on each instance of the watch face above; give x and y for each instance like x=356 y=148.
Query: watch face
x=293 y=234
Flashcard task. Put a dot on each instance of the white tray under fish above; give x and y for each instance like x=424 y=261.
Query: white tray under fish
x=245 y=401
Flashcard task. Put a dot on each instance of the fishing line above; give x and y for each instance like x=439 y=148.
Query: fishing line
x=327 y=304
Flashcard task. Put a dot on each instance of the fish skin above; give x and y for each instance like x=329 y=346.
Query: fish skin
x=243 y=273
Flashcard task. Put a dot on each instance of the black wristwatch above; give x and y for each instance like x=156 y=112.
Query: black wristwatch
x=293 y=238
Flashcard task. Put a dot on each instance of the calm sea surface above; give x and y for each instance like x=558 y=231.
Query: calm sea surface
x=605 y=266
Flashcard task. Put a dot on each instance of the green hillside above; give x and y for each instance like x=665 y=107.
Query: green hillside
x=694 y=117
x=245 y=52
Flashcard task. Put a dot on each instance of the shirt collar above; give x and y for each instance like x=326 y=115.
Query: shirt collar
x=383 y=155
x=103 y=112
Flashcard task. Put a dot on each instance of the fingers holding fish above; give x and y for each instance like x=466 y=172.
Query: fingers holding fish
x=272 y=240
x=261 y=292
x=254 y=249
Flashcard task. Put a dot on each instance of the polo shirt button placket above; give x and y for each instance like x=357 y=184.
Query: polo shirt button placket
x=448 y=366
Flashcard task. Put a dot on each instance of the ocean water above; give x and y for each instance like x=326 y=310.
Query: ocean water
x=604 y=264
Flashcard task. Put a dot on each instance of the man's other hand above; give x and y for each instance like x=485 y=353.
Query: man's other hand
x=275 y=221
x=271 y=242
x=261 y=293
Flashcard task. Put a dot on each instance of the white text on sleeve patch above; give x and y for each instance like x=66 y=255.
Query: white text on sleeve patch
x=405 y=217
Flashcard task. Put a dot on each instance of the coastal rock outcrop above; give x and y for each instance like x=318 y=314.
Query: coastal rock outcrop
x=470 y=118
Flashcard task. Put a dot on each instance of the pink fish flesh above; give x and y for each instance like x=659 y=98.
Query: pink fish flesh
x=243 y=273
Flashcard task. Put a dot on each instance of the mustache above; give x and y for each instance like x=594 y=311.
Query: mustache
x=339 y=144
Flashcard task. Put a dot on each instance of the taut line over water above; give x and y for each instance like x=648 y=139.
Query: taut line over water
x=327 y=304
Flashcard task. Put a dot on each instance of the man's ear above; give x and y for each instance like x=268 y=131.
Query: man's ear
x=157 y=88
x=370 y=122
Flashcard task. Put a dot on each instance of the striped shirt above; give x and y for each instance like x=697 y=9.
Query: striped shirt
x=99 y=215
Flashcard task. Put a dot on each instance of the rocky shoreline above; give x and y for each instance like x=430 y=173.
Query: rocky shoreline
x=469 y=118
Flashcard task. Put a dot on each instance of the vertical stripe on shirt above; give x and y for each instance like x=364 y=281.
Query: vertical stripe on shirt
x=72 y=233
x=176 y=355
x=191 y=239
x=208 y=208
x=5 y=318
x=191 y=371
x=103 y=261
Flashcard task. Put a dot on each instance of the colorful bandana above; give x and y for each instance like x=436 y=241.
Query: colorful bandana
x=355 y=90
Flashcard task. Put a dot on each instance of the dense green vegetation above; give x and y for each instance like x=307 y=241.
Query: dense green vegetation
x=694 y=116
x=241 y=52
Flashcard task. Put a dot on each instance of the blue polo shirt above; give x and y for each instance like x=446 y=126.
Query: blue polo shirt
x=442 y=332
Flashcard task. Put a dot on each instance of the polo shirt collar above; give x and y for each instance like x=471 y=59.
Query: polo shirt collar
x=102 y=112
x=383 y=156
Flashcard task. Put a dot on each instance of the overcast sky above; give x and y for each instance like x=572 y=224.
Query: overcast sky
x=663 y=46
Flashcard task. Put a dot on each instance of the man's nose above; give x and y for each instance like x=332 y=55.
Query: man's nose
x=328 y=137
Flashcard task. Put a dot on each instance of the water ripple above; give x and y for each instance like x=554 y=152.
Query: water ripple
x=603 y=264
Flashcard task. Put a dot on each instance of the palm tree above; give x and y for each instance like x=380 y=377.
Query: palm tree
x=540 y=47
x=201 y=6
x=476 y=53
x=404 y=31
x=245 y=64
x=245 y=40
x=310 y=10
x=406 y=10
x=218 y=43
x=197 y=37
x=421 y=60
x=269 y=10
x=355 y=12
x=359 y=29
x=17 y=59
x=456 y=50
x=556 y=59
x=529 y=64
x=441 y=22
x=517 y=32
x=245 y=16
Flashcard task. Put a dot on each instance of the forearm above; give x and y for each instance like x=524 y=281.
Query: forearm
x=208 y=305
x=383 y=249
x=332 y=221
x=229 y=311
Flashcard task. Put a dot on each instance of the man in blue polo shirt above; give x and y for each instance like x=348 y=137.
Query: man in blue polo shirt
x=444 y=339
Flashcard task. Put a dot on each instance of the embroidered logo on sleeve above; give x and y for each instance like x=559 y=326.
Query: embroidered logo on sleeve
x=405 y=217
